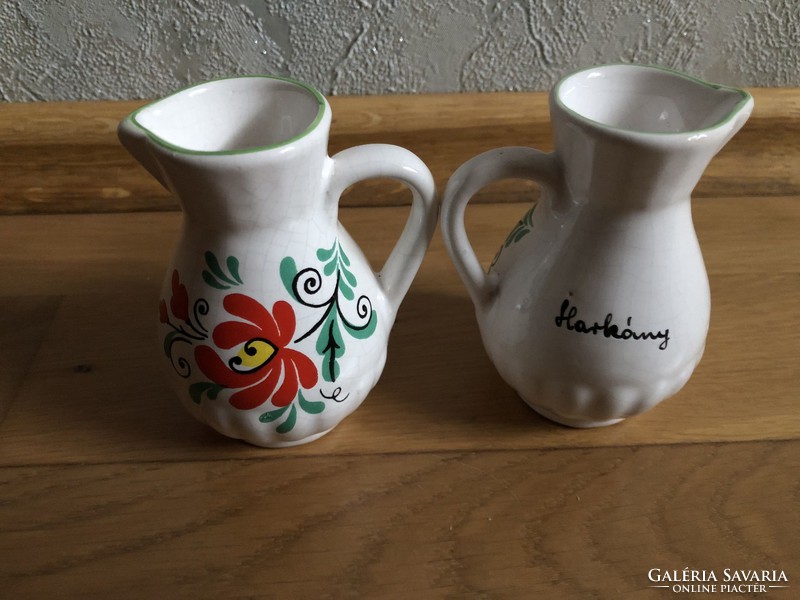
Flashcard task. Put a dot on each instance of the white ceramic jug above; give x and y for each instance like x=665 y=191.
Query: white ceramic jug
x=272 y=323
x=597 y=305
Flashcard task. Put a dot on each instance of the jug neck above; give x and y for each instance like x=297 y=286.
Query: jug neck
x=624 y=175
x=254 y=190
x=238 y=152
x=632 y=137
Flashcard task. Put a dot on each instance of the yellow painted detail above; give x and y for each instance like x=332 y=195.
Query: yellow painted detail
x=255 y=354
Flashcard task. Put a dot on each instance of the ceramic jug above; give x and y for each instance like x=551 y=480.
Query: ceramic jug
x=273 y=326
x=596 y=307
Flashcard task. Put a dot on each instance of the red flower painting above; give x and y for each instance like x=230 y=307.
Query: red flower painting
x=178 y=303
x=264 y=367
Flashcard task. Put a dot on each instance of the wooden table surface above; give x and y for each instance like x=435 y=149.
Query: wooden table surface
x=443 y=484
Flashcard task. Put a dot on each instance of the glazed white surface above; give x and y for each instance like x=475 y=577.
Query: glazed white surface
x=597 y=306
x=266 y=287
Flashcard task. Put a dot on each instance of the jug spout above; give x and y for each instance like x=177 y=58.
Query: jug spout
x=240 y=151
x=134 y=140
x=650 y=100
x=647 y=130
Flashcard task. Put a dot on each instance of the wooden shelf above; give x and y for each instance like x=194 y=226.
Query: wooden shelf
x=443 y=484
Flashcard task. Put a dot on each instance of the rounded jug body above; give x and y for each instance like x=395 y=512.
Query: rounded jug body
x=596 y=307
x=272 y=324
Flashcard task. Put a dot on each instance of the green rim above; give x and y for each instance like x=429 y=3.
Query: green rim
x=181 y=150
x=745 y=98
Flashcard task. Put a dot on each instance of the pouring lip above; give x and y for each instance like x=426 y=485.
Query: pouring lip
x=745 y=98
x=321 y=102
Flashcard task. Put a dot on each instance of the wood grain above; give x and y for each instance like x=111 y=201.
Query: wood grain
x=443 y=484
x=513 y=524
x=109 y=267
x=65 y=157
x=24 y=321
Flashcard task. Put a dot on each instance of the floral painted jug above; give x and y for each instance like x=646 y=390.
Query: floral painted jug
x=596 y=307
x=272 y=323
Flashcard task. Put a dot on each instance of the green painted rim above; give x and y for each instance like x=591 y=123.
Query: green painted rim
x=181 y=150
x=745 y=98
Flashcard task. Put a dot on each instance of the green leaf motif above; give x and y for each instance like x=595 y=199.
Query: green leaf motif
x=216 y=277
x=233 y=267
x=211 y=390
x=290 y=421
x=343 y=256
x=288 y=272
x=528 y=218
x=521 y=234
x=346 y=290
x=332 y=373
x=273 y=415
x=521 y=229
x=307 y=406
x=216 y=269
x=324 y=254
x=330 y=345
x=363 y=332
x=209 y=279
x=311 y=407
x=351 y=279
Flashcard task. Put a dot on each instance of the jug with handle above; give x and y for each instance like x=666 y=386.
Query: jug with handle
x=597 y=306
x=272 y=324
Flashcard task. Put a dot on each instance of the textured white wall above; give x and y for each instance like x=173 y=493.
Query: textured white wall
x=85 y=49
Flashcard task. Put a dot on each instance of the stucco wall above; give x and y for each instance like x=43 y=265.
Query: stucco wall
x=84 y=49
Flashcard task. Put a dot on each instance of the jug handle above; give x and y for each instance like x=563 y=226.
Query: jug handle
x=500 y=163
x=385 y=160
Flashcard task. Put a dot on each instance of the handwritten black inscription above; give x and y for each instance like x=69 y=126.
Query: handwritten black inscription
x=608 y=328
x=334 y=395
